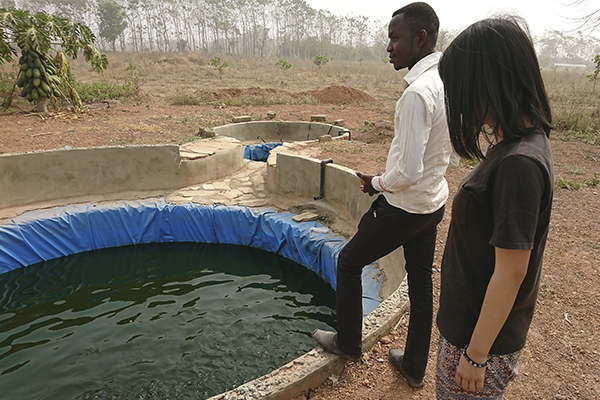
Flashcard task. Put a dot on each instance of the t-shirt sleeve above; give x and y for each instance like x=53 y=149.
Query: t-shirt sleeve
x=517 y=192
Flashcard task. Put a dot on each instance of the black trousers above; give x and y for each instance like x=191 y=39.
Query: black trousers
x=381 y=230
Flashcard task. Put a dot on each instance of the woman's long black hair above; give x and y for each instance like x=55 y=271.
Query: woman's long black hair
x=491 y=67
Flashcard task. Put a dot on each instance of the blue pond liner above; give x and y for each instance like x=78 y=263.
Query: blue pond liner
x=46 y=234
x=259 y=152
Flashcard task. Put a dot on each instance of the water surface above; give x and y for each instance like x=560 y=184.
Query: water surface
x=176 y=320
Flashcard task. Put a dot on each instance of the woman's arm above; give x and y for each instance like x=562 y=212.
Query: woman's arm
x=509 y=272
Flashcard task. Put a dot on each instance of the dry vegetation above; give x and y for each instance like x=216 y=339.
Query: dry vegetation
x=188 y=76
x=575 y=105
x=188 y=79
x=173 y=95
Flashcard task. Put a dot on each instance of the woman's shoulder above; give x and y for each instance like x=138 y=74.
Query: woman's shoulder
x=536 y=144
x=528 y=152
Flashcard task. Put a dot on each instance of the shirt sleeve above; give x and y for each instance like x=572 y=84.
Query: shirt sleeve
x=413 y=127
x=517 y=192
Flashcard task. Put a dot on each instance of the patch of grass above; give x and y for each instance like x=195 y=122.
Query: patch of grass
x=592 y=182
x=367 y=126
x=101 y=91
x=569 y=184
x=546 y=291
x=588 y=136
x=571 y=170
x=590 y=156
x=110 y=90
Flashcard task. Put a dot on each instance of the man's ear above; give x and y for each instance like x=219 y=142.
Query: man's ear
x=421 y=38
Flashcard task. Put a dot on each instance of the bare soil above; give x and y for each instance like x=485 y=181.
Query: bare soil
x=561 y=359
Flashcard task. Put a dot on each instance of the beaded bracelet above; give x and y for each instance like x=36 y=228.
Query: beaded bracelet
x=473 y=363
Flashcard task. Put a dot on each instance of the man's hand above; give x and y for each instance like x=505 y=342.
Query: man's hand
x=366 y=185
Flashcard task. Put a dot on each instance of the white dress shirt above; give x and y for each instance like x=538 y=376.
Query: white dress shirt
x=421 y=149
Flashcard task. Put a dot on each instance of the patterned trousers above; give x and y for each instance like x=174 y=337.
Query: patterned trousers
x=500 y=371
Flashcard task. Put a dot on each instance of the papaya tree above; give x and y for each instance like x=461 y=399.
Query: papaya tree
x=41 y=42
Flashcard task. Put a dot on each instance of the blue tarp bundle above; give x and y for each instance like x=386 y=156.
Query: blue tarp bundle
x=259 y=152
x=47 y=234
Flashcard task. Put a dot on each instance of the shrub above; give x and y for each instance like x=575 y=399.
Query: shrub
x=283 y=64
x=320 y=59
x=219 y=64
x=595 y=76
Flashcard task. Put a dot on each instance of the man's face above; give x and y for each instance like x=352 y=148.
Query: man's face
x=402 y=46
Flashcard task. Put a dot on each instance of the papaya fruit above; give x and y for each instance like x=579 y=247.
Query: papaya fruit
x=44 y=86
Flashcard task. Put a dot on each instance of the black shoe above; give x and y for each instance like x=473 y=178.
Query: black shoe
x=396 y=357
x=327 y=340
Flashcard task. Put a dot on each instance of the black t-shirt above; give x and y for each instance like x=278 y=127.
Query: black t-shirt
x=504 y=202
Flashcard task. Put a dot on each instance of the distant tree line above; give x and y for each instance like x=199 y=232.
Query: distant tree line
x=283 y=28
x=561 y=47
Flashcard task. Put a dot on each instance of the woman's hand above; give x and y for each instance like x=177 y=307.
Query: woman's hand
x=468 y=377
x=509 y=271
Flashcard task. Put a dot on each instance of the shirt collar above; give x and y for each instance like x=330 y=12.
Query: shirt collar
x=423 y=65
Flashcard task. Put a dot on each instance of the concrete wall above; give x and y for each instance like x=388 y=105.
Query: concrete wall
x=274 y=131
x=31 y=178
x=294 y=175
x=42 y=177
x=59 y=175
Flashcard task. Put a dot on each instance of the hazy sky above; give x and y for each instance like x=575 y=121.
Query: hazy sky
x=541 y=15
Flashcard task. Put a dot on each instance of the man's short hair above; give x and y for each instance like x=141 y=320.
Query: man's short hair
x=420 y=16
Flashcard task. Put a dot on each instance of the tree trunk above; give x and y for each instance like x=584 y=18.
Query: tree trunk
x=42 y=105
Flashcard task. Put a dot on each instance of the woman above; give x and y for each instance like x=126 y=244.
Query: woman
x=497 y=112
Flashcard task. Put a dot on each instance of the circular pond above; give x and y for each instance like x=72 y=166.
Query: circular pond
x=126 y=334
x=169 y=320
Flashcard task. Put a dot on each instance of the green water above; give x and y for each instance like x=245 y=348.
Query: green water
x=176 y=321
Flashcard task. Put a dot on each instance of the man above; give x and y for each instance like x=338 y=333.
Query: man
x=414 y=192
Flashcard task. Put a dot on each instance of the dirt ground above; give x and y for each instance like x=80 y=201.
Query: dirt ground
x=561 y=359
